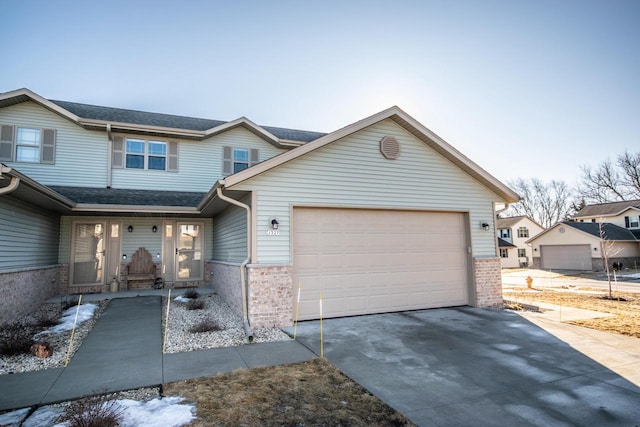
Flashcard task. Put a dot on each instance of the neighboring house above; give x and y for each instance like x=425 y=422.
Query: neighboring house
x=608 y=231
x=381 y=215
x=507 y=253
x=516 y=231
x=623 y=214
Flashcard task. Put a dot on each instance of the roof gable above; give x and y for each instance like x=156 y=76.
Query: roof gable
x=125 y=120
x=512 y=221
x=403 y=120
x=592 y=229
x=607 y=209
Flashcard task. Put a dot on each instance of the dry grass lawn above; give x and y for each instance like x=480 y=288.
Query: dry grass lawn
x=626 y=319
x=311 y=393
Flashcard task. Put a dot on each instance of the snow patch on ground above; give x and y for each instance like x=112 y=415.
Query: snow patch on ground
x=182 y=299
x=167 y=412
x=85 y=312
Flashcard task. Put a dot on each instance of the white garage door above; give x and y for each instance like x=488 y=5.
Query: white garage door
x=566 y=257
x=376 y=261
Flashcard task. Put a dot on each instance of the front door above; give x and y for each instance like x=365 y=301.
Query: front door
x=89 y=253
x=189 y=256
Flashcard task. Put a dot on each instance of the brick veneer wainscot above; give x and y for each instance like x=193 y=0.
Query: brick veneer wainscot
x=488 y=280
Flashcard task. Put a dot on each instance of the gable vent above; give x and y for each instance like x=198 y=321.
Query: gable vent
x=390 y=147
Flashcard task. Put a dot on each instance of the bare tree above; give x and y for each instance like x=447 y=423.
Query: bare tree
x=608 y=250
x=545 y=203
x=612 y=182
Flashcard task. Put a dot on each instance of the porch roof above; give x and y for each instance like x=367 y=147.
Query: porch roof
x=112 y=196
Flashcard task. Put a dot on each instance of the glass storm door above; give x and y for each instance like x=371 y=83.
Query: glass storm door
x=89 y=253
x=189 y=251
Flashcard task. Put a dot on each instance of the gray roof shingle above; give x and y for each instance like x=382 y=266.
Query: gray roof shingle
x=602 y=209
x=111 y=196
x=504 y=244
x=122 y=115
x=610 y=231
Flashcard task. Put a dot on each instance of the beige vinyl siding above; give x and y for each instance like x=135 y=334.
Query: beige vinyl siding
x=140 y=236
x=230 y=234
x=80 y=155
x=352 y=172
x=199 y=163
x=28 y=236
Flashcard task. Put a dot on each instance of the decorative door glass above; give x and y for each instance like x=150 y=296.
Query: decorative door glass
x=89 y=254
x=189 y=251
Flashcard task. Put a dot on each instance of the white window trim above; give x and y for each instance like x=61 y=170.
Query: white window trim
x=146 y=155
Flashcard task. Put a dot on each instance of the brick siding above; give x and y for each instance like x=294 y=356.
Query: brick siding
x=270 y=296
x=488 y=281
x=25 y=290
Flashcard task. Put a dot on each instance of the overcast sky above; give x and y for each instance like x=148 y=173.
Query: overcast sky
x=525 y=88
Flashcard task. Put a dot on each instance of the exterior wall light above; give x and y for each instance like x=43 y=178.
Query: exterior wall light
x=485 y=226
x=274 y=224
x=154 y=228
x=124 y=257
x=130 y=228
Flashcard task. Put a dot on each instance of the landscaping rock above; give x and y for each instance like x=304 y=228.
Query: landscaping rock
x=42 y=349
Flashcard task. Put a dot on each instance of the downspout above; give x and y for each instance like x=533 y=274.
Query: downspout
x=109 y=155
x=243 y=266
x=15 y=181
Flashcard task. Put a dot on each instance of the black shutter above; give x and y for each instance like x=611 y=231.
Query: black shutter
x=48 y=153
x=227 y=161
x=6 y=143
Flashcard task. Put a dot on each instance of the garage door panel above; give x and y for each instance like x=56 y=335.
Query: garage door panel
x=371 y=261
x=566 y=257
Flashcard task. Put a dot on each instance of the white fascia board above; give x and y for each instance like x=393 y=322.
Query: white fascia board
x=404 y=120
x=40 y=100
x=119 y=127
x=243 y=121
x=87 y=207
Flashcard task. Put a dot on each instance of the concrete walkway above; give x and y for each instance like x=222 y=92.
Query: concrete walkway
x=619 y=353
x=123 y=351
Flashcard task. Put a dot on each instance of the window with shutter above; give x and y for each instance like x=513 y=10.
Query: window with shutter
x=6 y=143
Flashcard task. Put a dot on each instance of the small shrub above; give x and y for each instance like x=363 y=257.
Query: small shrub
x=92 y=411
x=195 y=304
x=16 y=338
x=206 y=326
x=44 y=321
x=191 y=294
x=69 y=302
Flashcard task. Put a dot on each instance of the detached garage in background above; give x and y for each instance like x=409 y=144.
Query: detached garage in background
x=583 y=246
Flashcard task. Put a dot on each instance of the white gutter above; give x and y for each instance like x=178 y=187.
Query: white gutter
x=243 y=266
x=15 y=181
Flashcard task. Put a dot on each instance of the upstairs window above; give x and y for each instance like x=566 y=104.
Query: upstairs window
x=157 y=155
x=632 y=221
x=135 y=153
x=505 y=233
x=523 y=232
x=238 y=159
x=26 y=144
x=144 y=154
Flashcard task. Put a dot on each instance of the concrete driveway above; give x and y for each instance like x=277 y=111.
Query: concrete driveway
x=468 y=366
